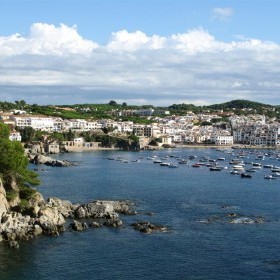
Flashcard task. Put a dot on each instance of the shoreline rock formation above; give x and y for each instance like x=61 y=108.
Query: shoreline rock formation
x=49 y=217
x=47 y=160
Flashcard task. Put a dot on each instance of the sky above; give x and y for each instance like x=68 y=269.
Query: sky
x=158 y=52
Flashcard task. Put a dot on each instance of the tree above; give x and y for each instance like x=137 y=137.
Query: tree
x=86 y=135
x=107 y=130
x=113 y=103
x=14 y=163
x=4 y=131
x=70 y=135
x=20 y=104
x=57 y=136
x=27 y=134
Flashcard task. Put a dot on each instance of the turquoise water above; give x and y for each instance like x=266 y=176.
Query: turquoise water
x=180 y=198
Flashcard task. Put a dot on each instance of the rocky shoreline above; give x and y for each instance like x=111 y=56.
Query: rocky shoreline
x=24 y=213
x=50 y=217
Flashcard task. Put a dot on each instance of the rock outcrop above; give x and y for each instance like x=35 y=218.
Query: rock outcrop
x=247 y=220
x=15 y=226
x=4 y=205
x=78 y=226
x=104 y=209
x=49 y=217
x=65 y=207
x=147 y=227
x=42 y=159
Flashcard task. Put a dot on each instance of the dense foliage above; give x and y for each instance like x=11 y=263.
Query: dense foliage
x=13 y=162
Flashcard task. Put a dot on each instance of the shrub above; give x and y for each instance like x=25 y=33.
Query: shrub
x=11 y=195
x=26 y=192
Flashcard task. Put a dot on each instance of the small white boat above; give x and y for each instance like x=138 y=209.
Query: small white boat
x=151 y=158
x=236 y=161
x=164 y=163
x=251 y=170
x=172 y=165
x=256 y=167
x=238 y=167
x=269 y=176
x=275 y=169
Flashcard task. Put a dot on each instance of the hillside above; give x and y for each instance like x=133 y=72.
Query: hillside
x=109 y=110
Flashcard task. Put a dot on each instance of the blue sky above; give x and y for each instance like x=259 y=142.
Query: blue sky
x=139 y=51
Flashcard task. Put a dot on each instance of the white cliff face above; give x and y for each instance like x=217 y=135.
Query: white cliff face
x=4 y=205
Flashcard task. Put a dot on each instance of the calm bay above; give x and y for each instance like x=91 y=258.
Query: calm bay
x=197 y=205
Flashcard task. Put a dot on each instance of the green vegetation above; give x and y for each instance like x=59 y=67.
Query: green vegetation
x=11 y=195
x=26 y=192
x=27 y=134
x=240 y=104
x=4 y=131
x=14 y=163
x=112 y=108
x=181 y=109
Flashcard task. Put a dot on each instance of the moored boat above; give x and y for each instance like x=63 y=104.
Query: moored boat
x=251 y=170
x=172 y=165
x=269 y=176
x=164 y=163
x=275 y=169
x=183 y=161
x=215 y=168
x=245 y=175
x=238 y=167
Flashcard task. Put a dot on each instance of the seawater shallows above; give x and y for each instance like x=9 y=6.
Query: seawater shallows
x=193 y=202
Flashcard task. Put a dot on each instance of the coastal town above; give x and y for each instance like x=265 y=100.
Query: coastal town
x=163 y=129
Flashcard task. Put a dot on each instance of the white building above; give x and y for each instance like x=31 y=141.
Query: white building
x=222 y=140
x=15 y=136
x=36 y=122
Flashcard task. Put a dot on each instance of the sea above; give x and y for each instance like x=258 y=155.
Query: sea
x=200 y=208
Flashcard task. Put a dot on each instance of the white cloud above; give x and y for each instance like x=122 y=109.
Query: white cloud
x=57 y=62
x=125 y=41
x=223 y=13
x=46 y=39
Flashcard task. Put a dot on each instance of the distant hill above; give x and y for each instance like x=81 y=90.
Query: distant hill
x=98 y=111
x=240 y=104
